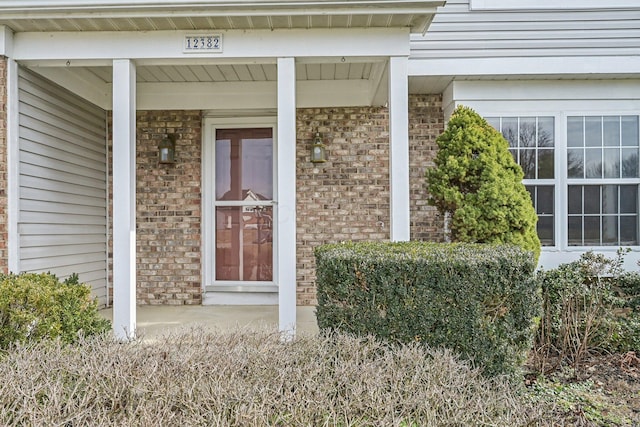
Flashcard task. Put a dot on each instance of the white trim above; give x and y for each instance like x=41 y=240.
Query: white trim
x=589 y=66
x=48 y=9
x=237 y=298
x=208 y=196
x=124 y=199
x=98 y=46
x=400 y=229
x=285 y=273
x=6 y=41
x=552 y=4
x=13 y=172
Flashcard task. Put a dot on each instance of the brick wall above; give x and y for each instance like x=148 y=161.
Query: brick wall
x=168 y=209
x=4 y=256
x=347 y=198
x=426 y=122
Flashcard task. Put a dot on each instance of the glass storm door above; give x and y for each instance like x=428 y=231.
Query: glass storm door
x=244 y=205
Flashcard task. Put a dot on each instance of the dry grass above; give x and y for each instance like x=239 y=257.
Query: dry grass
x=241 y=378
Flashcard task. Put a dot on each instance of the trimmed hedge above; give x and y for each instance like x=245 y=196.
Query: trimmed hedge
x=36 y=306
x=478 y=300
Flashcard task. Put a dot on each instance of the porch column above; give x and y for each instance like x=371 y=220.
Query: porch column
x=13 y=174
x=399 y=148
x=286 y=199
x=124 y=199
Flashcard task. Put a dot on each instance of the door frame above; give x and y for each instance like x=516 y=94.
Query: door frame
x=210 y=125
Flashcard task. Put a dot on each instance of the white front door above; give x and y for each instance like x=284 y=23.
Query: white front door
x=239 y=211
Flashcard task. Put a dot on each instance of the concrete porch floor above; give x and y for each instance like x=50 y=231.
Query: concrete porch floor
x=153 y=321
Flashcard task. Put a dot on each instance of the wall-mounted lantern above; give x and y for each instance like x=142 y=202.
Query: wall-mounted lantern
x=318 y=150
x=167 y=150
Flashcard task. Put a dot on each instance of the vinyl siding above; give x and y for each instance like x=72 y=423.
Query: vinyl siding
x=63 y=188
x=458 y=32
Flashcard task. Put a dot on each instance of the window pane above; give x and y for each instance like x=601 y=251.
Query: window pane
x=531 y=189
x=593 y=131
x=628 y=199
x=545 y=230
x=629 y=162
x=528 y=163
x=575 y=133
x=609 y=230
x=510 y=130
x=609 y=199
x=494 y=121
x=244 y=243
x=628 y=230
x=575 y=231
x=545 y=132
x=630 y=131
x=244 y=164
x=593 y=163
x=545 y=164
x=611 y=131
x=575 y=163
x=611 y=163
x=575 y=199
x=528 y=137
x=592 y=230
x=591 y=199
x=545 y=199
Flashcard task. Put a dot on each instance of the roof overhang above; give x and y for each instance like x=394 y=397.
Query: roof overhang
x=148 y=15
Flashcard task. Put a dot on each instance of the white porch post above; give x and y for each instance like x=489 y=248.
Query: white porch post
x=286 y=199
x=399 y=148
x=13 y=174
x=124 y=199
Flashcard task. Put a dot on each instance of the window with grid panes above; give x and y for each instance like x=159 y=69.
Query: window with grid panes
x=531 y=142
x=602 y=177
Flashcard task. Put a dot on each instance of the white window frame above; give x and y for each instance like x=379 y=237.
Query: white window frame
x=210 y=125
x=561 y=182
x=590 y=181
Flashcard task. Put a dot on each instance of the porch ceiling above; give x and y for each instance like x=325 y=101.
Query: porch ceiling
x=153 y=15
x=201 y=73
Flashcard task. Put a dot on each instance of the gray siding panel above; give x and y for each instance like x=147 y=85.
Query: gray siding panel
x=458 y=32
x=62 y=221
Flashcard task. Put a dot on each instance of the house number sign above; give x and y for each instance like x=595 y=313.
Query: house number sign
x=203 y=43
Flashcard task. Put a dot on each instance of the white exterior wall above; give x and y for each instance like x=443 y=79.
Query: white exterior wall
x=558 y=99
x=62 y=210
x=458 y=32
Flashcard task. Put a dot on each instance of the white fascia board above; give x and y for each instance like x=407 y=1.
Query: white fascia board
x=333 y=93
x=544 y=90
x=6 y=41
x=100 y=46
x=48 y=9
x=249 y=95
x=534 y=66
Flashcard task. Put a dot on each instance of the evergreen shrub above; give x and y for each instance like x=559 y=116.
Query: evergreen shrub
x=39 y=306
x=481 y=301
x=478 y=186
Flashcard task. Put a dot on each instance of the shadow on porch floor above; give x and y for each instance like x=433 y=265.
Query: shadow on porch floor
x=156 y=320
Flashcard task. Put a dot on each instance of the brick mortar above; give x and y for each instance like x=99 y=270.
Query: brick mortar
x=346 y=198
x=168 y=209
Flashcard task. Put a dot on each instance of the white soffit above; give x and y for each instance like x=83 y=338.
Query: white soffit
x=153 y=15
